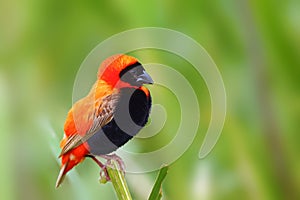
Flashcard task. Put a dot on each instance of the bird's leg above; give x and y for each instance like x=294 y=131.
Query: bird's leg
x=119 y=160
x=103 y=172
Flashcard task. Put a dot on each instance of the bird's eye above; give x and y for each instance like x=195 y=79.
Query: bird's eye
x=129 y=68
x=131 y=74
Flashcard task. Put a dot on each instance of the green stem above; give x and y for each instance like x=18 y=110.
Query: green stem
x=118 y=181
x=156 y=193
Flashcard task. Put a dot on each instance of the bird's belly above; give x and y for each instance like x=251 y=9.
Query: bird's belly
x=109 y=139
x=130 y=116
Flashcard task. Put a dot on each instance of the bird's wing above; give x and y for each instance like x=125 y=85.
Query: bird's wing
x=98 y=114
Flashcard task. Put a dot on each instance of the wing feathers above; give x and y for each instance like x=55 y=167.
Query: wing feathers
x=102 y=114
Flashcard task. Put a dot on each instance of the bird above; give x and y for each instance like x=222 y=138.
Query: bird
x=116 y=108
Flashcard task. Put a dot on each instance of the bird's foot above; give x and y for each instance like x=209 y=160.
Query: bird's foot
x=104 y=177
x=114 y=157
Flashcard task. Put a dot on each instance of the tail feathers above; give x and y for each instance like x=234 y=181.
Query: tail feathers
x=61 y=175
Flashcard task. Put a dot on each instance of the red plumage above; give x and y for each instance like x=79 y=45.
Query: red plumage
x=94 y=123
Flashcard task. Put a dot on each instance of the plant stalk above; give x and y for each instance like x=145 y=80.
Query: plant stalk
x=118 y=180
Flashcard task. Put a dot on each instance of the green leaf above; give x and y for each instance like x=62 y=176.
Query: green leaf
x=156 y=193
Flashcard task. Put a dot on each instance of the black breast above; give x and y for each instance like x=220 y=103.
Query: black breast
x=130 y=116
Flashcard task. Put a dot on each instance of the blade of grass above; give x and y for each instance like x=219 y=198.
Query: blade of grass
x=156 y=192
x=118 y=181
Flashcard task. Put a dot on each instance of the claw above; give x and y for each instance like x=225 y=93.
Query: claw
x=104 y=177
x=119 y=160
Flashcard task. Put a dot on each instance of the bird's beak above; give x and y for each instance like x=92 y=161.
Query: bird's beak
x=144 y=78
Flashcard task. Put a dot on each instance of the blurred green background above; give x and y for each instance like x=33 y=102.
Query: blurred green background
x=255 y=44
